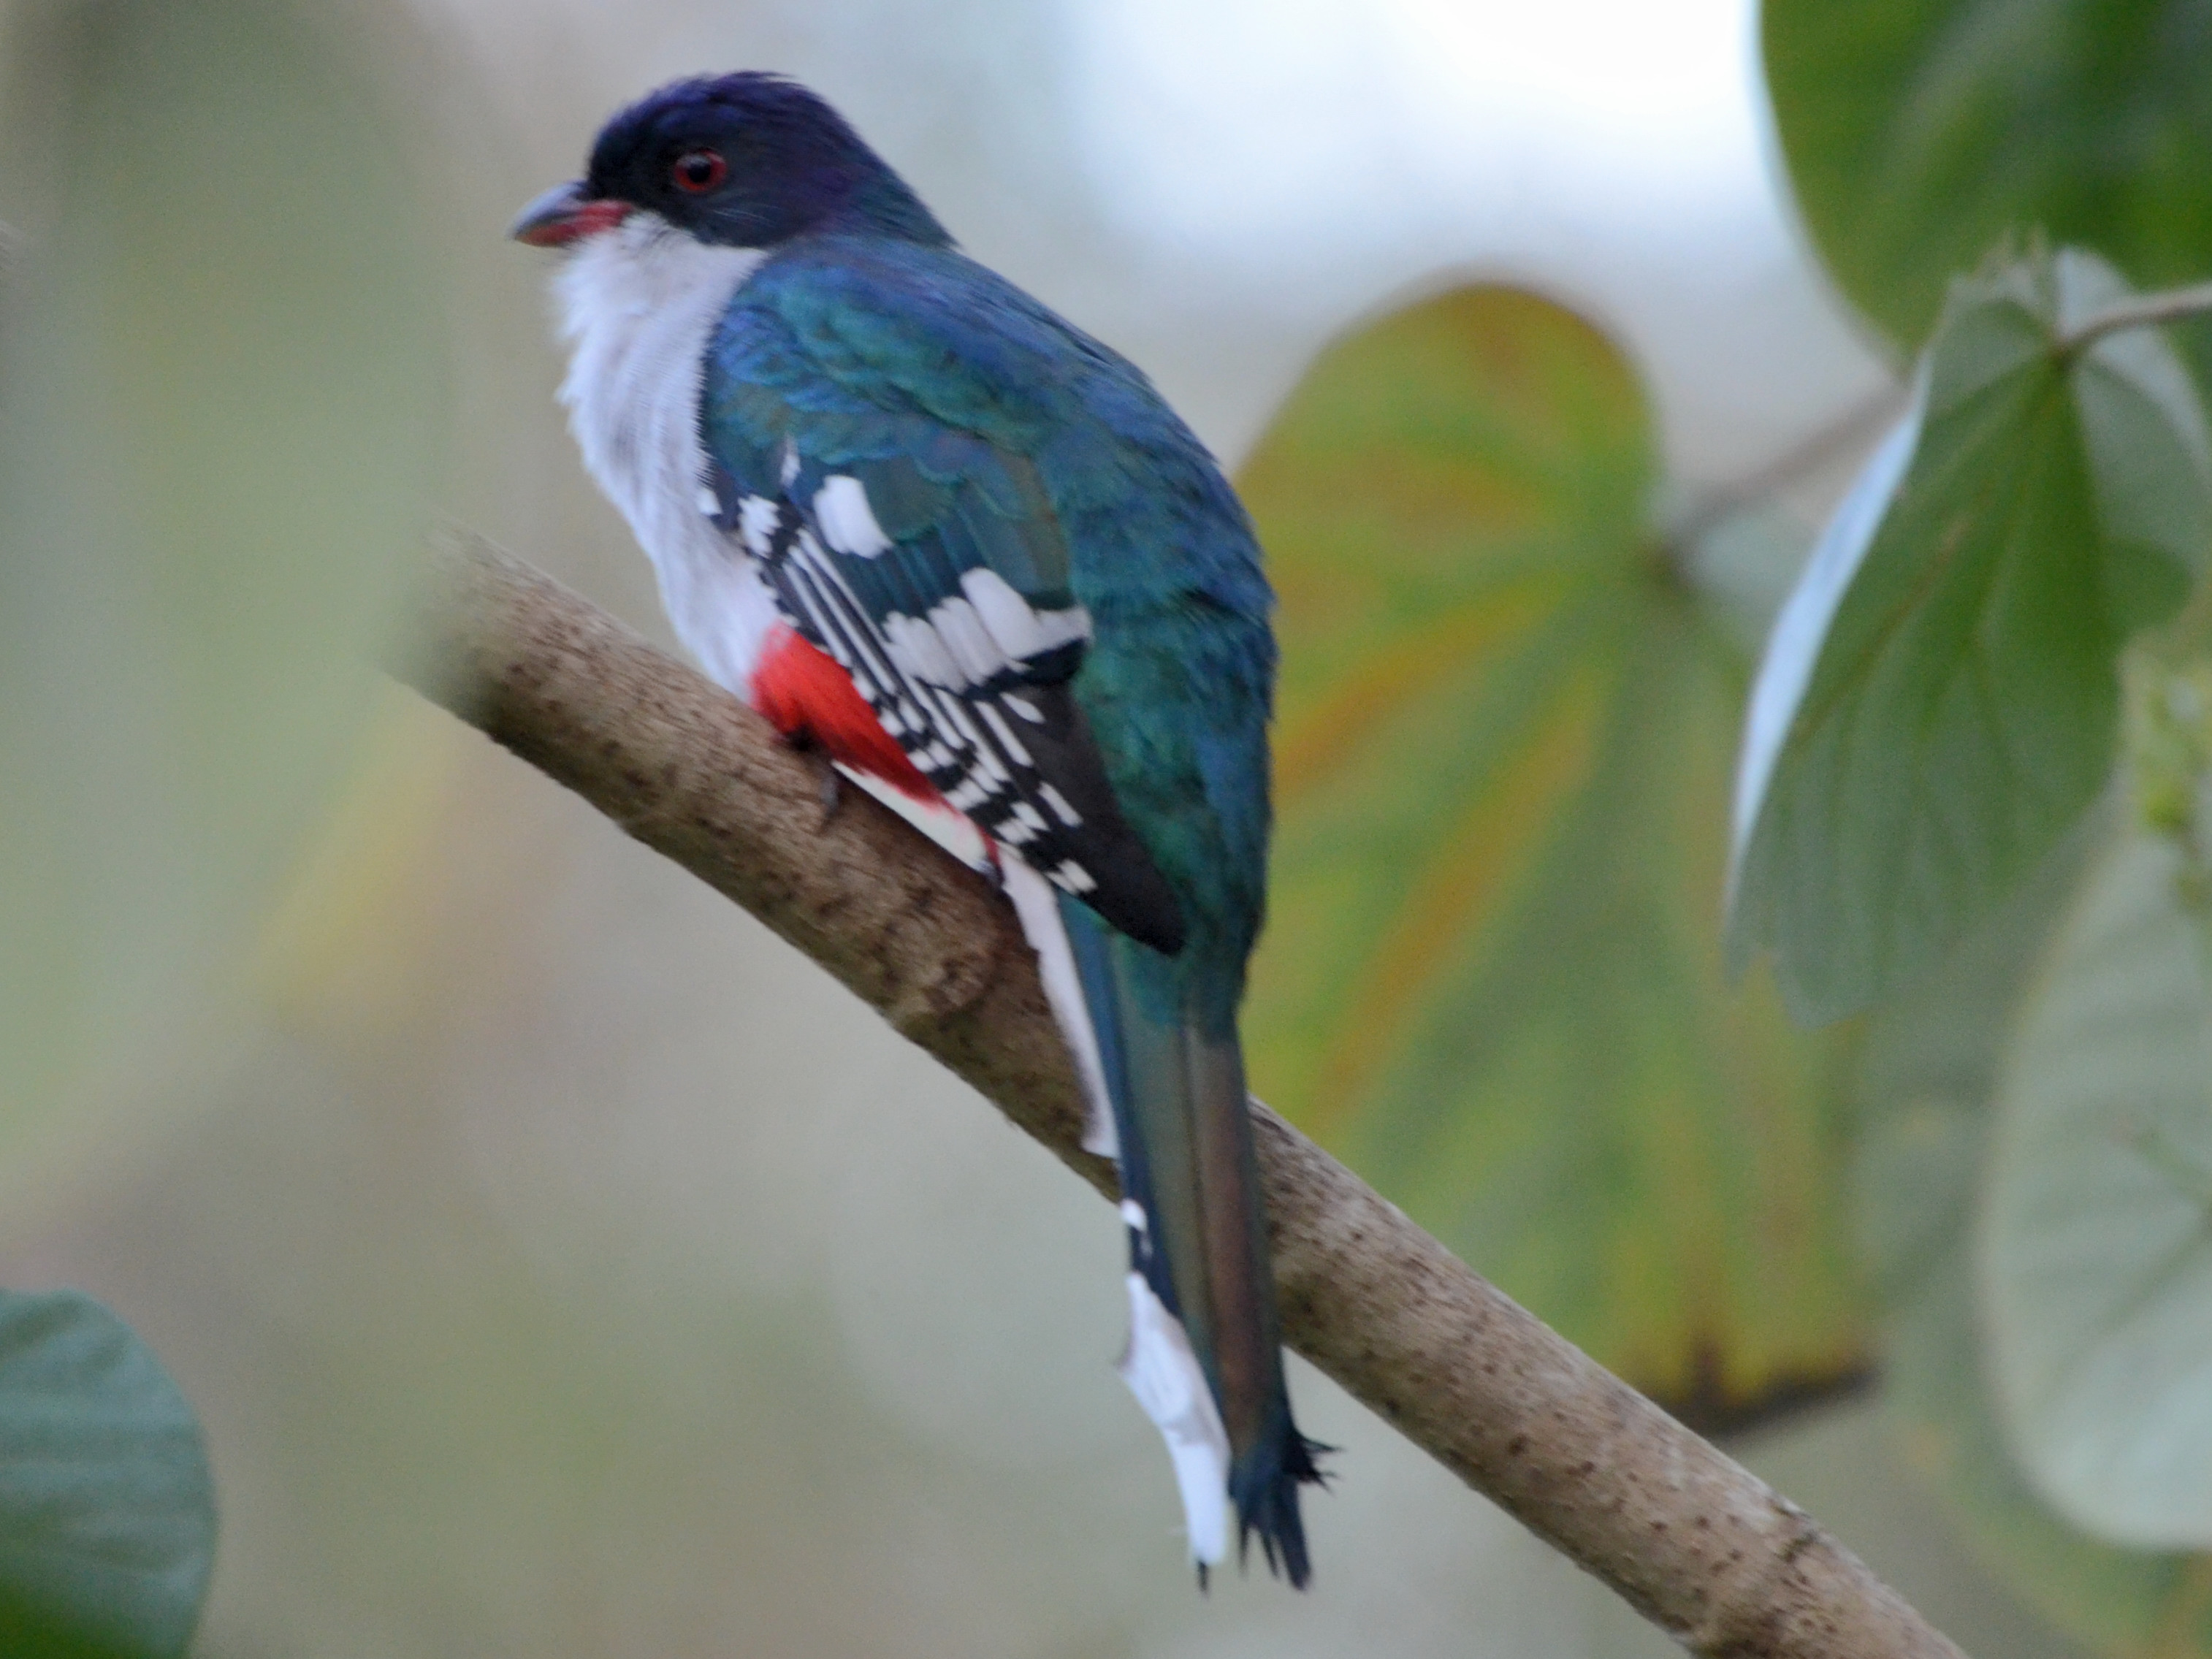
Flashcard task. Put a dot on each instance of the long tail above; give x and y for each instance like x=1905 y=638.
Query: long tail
x=1204 y=1356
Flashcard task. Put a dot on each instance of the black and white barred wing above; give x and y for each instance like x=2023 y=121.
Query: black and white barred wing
x=966 y=670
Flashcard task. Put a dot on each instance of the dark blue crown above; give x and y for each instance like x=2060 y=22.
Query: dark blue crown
x=794 y=165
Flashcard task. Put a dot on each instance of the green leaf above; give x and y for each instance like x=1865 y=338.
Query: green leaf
x=221 y=416
x=2143 y=1604
x=106 y=1512
x=1930 y=1066
x=2096 y=1247
x=1918 y=131
x=1927 y=1066
x=1930 y=1069
x=1491 y=978
x=1939 y=701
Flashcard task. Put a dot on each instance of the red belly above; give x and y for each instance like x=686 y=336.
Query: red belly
x=807 y=697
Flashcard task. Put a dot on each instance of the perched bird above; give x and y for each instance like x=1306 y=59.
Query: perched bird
x=942 y=537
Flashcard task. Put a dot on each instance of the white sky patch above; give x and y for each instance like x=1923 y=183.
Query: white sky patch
x=1247 y=125
x=1294 y=165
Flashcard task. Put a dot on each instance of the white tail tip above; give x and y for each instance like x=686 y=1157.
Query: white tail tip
x=1163 y=1374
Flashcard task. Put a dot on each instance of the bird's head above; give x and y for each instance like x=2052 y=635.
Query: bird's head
x=738 y=161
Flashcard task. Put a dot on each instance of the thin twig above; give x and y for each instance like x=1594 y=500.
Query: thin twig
x=1833 y=439
x=1869 y=415
x=2144 y=311
x=1694 y=1542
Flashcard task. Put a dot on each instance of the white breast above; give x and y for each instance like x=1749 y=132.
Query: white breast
x=638 y=305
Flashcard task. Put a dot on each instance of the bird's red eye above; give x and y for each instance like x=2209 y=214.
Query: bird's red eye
x=699 y=171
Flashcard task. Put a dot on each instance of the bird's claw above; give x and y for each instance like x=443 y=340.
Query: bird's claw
x=828 y=787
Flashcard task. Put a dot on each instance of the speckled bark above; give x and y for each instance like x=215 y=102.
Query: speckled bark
x=1696 y=1543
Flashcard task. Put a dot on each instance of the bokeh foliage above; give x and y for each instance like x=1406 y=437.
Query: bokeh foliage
x=221 y=419
x=1491 y=978
x=222 y=407
x=2096 y=1259
x=1919 y=132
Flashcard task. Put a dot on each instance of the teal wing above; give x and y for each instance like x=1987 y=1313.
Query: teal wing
x=928 y=561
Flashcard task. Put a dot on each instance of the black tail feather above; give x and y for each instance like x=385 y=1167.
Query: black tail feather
x=1264 y=1486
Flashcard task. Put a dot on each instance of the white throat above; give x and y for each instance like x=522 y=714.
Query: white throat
x=638 y=306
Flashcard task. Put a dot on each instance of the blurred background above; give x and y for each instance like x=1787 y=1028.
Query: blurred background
x=561 y=1265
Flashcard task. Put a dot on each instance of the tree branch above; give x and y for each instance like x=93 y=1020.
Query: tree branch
x=1692 y=1540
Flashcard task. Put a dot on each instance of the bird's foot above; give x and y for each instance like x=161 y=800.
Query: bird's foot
x=829 y=785
x=829 y=788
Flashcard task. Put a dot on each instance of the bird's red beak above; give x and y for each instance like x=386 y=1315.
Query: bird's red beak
x=565 y=214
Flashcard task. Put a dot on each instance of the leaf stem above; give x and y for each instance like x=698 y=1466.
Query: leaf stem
x=2144 y=311
x=1863 y=420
